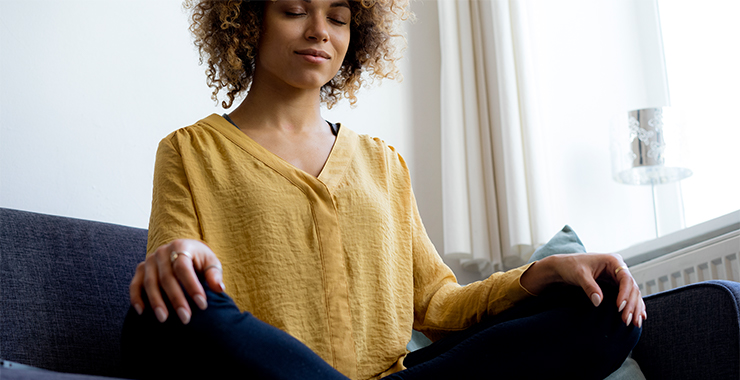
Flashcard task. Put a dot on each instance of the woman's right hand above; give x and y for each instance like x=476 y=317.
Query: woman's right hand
x=158 y=271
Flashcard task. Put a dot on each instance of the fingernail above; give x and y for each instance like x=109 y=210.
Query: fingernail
x=596 y=299
x=621 y=307
x=161 y=314
x=639 y=321
x=184 y=315
x=629 y=319
x=200 y=301
x=223 y=287
x=139 y=309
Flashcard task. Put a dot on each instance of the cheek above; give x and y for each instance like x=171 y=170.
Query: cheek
x=342 y=46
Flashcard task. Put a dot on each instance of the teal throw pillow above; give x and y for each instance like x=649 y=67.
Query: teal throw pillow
x=565 y=241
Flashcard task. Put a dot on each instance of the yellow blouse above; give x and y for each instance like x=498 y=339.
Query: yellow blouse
x=341 y=262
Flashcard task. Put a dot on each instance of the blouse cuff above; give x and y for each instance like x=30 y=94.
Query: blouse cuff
x=524 y=269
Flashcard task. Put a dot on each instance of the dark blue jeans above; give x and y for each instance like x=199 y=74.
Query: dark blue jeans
x=559 y=334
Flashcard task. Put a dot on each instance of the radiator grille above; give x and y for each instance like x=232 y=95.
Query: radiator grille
x=714 y=259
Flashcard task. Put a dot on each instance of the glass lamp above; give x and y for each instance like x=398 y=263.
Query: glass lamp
x=647 y=149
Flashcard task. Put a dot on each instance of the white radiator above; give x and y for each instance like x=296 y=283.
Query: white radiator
x=713 y=259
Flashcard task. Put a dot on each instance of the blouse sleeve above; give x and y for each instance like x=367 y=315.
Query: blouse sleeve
x=173 y=214
x=441 y=305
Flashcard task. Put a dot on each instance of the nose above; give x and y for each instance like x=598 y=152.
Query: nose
x=317 y=30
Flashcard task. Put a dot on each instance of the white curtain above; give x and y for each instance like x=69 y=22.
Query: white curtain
x=494 y=189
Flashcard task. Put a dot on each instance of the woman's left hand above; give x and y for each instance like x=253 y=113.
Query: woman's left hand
x=582 y=270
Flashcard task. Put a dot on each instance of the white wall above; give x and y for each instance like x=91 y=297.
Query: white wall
x=88 y=90
x=90 y=87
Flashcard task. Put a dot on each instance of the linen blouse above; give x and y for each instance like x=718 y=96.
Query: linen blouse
x=340 y=261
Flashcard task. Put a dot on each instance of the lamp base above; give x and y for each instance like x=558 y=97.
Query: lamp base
x=652 y=175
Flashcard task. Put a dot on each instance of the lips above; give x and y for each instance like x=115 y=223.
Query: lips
x=314 y=53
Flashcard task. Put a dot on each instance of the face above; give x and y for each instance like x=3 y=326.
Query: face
x=303 y=42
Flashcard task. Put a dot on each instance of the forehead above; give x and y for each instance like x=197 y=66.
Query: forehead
x=332 y=3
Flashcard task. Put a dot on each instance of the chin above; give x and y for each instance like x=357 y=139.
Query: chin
x=313 y=83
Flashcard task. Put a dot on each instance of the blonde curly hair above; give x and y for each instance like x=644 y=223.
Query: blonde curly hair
x=227 y=33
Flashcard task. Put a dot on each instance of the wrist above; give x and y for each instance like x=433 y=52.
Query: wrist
x=541 y=274
x=553 y=263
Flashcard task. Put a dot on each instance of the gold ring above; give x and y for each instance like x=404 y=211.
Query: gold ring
x=616 y=271
x=213 y=266
x=175 y=254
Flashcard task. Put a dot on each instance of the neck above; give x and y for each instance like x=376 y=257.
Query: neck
x=287 y=108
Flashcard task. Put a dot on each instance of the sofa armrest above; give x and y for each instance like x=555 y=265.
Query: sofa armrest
x=64 y=285
x=692 y=332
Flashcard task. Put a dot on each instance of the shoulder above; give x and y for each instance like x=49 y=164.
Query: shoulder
x=202 y=134
x=377 y=149
x=378 y=162
x=206 y=127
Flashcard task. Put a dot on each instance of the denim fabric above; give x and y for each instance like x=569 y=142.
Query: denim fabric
x=692 y=332
x=560 y=331
x=65 y=291
x=558 y=335
x=218 y=343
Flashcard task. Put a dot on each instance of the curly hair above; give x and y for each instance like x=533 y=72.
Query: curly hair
x=227 y=34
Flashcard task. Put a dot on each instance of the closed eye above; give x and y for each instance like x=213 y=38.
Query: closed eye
x=337 y=21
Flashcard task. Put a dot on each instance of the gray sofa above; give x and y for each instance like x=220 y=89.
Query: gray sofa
x=64 y=294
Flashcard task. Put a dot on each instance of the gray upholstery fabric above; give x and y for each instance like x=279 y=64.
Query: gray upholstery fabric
x=64 y=286
x=21 y=374
x=692 y=332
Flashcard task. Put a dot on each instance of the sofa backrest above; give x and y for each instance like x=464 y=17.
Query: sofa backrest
x=64 y=290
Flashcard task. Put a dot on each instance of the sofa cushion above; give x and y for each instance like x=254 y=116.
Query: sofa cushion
x=692 y=332
x=65 y=290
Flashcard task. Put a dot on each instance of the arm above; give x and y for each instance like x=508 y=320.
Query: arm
x=173 y=227
x=441 y=305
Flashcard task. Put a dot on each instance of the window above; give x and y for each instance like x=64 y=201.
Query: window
x=702 y=59
x=587 y=70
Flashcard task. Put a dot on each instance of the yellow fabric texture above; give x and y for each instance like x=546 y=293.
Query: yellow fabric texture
x=341 y=262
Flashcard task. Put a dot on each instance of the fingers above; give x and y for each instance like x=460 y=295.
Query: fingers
x=185 y=273
x=203 y=261
x=637 y=310
x=134 y=289
x=214 y=273
x=170 y=284
x=629 y=298
x=592 y=289
x=172 y=268
x=151 y=286
x=626 y=285
x=583 y=270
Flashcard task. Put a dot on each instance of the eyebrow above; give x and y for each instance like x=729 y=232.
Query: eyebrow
x=334 y=4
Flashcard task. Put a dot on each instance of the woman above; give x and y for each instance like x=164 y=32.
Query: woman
x=315 y=232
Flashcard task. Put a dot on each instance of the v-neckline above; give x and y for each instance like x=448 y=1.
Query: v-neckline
x=333 y=168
